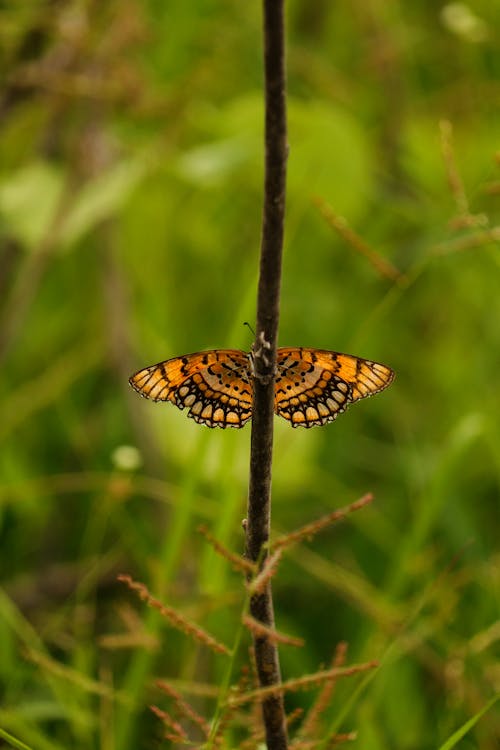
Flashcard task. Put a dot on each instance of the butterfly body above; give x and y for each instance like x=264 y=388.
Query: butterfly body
x=312 y=386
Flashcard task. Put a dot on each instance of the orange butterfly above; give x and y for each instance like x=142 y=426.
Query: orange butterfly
x=312 y=386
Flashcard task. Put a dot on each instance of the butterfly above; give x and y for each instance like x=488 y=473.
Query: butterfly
x=312 y=386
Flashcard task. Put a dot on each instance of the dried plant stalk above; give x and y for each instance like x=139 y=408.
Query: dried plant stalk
x=310 y=529
x=260 y=630
x=238 y=562
x=264 y=359
x=300 y=683
x=175 y=619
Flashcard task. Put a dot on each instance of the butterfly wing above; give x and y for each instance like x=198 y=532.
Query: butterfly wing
x=313 y=386
x=215 y=386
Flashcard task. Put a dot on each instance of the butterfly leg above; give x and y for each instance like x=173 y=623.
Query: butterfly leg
x=260 y=352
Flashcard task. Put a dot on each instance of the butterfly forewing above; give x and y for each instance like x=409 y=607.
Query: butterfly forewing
x=312 y=386
x=214 y=386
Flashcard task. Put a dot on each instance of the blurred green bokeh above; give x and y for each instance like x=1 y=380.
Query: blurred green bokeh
x=130 y=206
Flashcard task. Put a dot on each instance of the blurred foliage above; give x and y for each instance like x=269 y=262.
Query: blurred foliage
x=130 y=204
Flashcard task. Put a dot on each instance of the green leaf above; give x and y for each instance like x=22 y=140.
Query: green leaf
x=13 y=741
x=462 y=731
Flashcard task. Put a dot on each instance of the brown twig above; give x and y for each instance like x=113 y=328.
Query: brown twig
x=184 y=708
x=301 y=683
x=464 y=218
x=339 y=739
x=259 y=584
x=175 y=618
x=294 y=716
x=311 y=723
x=310 y=529
x=239 y=563
x=177 y=734
x=378 y=262
x=264 y=361
x=452 y=173
x=468 y=241
x=260 y=630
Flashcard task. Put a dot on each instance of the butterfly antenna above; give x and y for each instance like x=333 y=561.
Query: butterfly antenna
x=250 y=327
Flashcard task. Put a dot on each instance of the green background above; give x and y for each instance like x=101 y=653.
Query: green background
x=130 y=207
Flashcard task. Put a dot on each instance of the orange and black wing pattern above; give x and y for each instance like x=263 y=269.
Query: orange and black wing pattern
x=215 y=386
x=313 y=386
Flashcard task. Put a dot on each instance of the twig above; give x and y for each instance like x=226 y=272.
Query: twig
x=452 y=174
x=239 y=563
x=300 y=683
x=264 y=360
x=378 y=262
x=258 y=629
x=175 y=618
x=464 y=218
x=310 y=529
x=468 y=241
x=184 y=708
x=311 y=723
x=178 y=734
x=258 y=584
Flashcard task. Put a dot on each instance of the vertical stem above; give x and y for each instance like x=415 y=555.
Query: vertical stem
x=264 y=355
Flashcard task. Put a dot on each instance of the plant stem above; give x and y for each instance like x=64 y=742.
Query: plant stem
x=264 y=356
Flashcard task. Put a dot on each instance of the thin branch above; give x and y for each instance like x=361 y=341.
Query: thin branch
x=178 y=734
x=310 y=529
x=258 y=629
x=238 y=563
x=258 y=584
x=184 y=708
x=452 y=173
x=382 y=266
x=311 y=724
x=302 y=683
x=264 y=359
x=464 y=218
x=175 y=618
x=470 y=241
